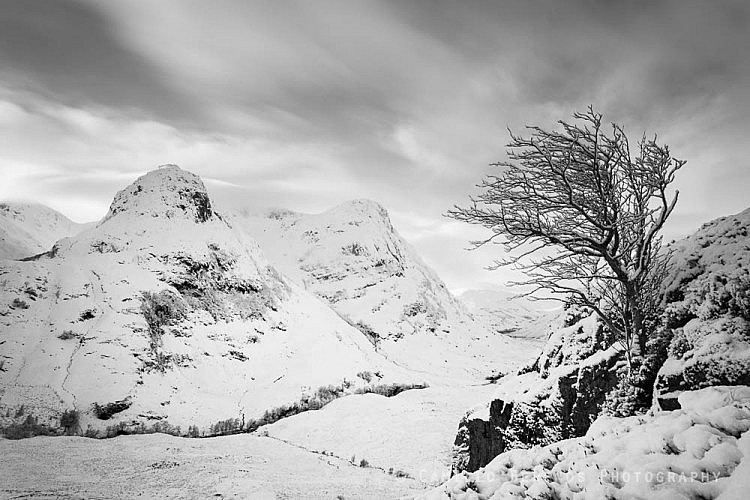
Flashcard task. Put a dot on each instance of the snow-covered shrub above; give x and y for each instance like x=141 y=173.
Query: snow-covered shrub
x=29 y=427
x=411 y=310
x=70 y=421
x=739 y=290
x=67 y=335
x=354 y=249
x=368 y=332
x=106 y=411
x=390 y=390
x=19 y=304
x=162 y=309
x=86 y=315
x=680 y=344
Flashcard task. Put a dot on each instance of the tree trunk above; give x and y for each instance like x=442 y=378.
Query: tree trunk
x=637 y=340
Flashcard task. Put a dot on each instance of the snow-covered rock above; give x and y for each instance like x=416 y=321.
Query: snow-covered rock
x=700 y=451
x=708 y=309
x=164 y=312
x=352 y=257
x=28 y=229
x=556 y=397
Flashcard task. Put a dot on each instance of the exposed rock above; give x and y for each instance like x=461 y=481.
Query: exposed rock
x=558 y=397
x=699 y=451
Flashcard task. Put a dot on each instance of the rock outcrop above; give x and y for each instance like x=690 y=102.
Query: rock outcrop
x=557 y=397
x=706 y=326
x=708 y=310
x=699 y=451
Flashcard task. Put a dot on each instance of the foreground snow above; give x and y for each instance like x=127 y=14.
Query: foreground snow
x=700 y=451
x=412 y=432
x=162 y=466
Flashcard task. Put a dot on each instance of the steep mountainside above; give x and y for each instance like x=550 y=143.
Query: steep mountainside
x=352 y=257
x=165 y=313
x=29 y=229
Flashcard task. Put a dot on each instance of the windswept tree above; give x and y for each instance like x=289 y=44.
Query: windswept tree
x=580 y=213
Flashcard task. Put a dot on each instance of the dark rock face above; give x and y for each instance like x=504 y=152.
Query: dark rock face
x=482 y=439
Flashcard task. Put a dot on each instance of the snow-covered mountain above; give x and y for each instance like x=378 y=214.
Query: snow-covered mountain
x=28 y=229
x=166 y=313
x=352 y=257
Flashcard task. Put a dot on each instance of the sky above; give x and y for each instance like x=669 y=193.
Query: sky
x=305 y=105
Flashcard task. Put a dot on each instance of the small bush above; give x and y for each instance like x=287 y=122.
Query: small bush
x=364 y=463
x=105 y=412
x=354 y=249
x=159 y=310
x=162 y=309
x=366 y=376
x=390 y=390
x=368 y=332
x=67 y=335
x=739 y=303
x=70 y=421
x=86 y=315
x=91 y=433
x=239 y=356
x=494 y=377
x=30 y=427
x=19 y=304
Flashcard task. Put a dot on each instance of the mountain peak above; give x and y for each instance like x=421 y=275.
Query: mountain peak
x=168 y=191
x=361 y=207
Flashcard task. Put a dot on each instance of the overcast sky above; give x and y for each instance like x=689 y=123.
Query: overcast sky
x=305 y=105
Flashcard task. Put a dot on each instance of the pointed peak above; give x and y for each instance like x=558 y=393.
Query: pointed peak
x=362 y=206
x=166 y=191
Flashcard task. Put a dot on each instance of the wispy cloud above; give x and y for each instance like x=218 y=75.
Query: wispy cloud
x=307 y=104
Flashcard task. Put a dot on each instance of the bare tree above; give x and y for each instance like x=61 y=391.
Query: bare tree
x=581 y=215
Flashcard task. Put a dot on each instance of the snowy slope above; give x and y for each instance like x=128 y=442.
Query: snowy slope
x=700 y=451
x=352 y=257
x=412 y=432
x=28 y=229
x=219 y=334
x=162 y=466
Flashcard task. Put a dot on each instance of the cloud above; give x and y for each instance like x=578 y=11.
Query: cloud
x=307 y=104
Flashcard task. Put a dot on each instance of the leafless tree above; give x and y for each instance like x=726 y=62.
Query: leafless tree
x=581 y=215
